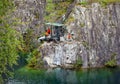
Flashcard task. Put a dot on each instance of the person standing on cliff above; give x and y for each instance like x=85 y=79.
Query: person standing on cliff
x=46 y=33
x=69 y=37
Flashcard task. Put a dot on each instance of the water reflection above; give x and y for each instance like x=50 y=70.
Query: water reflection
x=62 y=76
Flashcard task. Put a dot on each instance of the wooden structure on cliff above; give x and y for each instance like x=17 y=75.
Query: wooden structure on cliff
x=57 y=31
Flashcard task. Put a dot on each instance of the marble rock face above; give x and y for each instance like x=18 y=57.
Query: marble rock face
x=96 y=38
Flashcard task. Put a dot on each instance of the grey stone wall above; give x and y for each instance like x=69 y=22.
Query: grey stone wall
x=63 y=54
x=97 y=38
x=29 y=14
x=98 y=28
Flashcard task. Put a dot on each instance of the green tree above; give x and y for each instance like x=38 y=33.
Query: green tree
x=8 y=48
x=9 y=40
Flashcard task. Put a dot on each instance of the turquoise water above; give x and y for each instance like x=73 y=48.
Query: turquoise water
x=62 y=76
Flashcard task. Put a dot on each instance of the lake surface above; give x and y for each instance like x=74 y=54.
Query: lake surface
x=62 y=76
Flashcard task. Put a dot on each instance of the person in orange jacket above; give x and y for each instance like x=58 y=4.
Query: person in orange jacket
x=48 y=30
x=46 y=33
x=69 y=36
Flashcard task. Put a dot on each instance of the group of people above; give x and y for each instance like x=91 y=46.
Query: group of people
x=68 y=37
x=48 y=32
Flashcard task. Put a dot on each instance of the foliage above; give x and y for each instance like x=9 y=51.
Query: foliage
x=4 y=6
x=30 y=47
x=112 y=61
x=84 y=3
x=102 y=2
x=86 y=44
x=82 y=24
x=1 y=80
x=29 y=44
x=69 y=20
x=9 y=39
x=78 y=63
x=34 y=59
x=54 y=10
x=109 y=1
x=9 y=43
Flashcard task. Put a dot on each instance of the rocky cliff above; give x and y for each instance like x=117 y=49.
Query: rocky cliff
x=29 y=15
x=99 y=30
x=96 y=30
x=63 y=54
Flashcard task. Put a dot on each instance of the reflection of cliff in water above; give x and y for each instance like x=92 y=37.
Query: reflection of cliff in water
x=62 y=76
